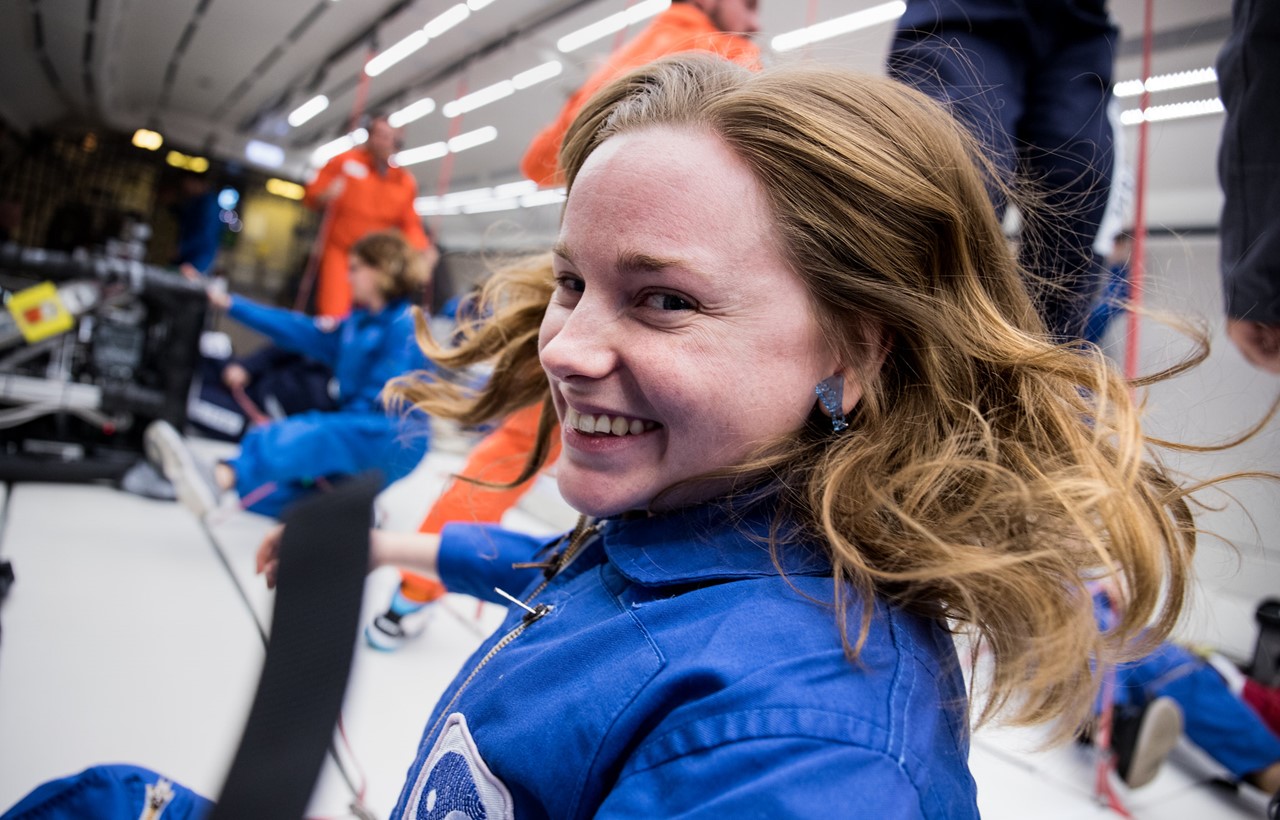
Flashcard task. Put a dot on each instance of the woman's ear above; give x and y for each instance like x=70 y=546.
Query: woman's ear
x=873 y=351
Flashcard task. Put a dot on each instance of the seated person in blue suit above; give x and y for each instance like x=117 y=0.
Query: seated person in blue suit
x=282 y=460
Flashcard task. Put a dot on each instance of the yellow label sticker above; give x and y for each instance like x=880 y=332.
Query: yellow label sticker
x=40 y=313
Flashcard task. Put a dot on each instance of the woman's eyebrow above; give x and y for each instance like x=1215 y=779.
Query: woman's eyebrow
x=636 y=262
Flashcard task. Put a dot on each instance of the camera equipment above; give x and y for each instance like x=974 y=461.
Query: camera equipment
x=92 y=349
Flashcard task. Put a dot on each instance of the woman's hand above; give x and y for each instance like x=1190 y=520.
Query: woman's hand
x=218 y=296
x=235 y=377
x=269 y=555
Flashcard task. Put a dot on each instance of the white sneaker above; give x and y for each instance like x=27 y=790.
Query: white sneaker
x=192 y=481
x=389 y=631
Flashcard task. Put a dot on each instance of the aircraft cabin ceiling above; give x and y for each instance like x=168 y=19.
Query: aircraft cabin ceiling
x=214 y=76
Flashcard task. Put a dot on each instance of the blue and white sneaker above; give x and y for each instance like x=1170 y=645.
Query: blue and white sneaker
x=192 y=480
x=392 y=629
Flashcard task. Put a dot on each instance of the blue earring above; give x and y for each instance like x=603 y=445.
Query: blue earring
x=831 y=395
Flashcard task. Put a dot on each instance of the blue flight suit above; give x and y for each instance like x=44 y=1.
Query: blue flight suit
x=1032 y=80
x=1214 y=717
x=365 y=350
x=675 y=672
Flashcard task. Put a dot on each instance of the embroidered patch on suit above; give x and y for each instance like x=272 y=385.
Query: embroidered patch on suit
x=455 y=783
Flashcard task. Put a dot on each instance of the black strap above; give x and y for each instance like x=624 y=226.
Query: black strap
x=324 y=557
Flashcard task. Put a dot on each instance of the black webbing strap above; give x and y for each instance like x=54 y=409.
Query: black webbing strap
x=324 y=558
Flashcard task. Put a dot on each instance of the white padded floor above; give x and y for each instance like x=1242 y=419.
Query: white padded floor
x=126 y=638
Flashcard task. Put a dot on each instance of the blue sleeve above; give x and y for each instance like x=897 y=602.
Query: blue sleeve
x=769 y=777
x=475 y=558
x=403 y=355
x=289 y=329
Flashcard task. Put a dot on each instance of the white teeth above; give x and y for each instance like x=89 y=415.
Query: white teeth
x=615 y=425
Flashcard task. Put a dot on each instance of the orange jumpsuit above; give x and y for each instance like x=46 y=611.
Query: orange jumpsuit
x=678 y=29
x=498 y=457
x=371 y=201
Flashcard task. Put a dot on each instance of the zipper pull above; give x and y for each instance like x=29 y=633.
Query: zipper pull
x=532 y=613
x=159 y=795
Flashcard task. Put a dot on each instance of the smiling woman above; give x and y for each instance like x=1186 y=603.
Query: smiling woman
x=814 y=424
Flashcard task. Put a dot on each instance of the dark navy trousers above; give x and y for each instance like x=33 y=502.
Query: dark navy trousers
x=1032 y=80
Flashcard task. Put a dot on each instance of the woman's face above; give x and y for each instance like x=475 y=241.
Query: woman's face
x=365 y=290
x=676 y=332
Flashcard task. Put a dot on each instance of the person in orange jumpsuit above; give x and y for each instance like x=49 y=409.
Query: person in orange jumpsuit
x=360 y=192
x=722 y=27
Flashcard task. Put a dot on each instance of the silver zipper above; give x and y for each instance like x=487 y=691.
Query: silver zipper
x=578 y=540
x=159 y=795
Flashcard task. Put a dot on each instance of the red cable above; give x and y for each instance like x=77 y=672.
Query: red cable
x=446 y=164
x=256 y=416
x=1138 y=262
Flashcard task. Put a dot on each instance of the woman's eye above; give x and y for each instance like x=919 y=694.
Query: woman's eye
x=567 y=282
x=668 y=301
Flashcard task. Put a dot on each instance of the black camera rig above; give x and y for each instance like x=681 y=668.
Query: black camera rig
x=92 y=349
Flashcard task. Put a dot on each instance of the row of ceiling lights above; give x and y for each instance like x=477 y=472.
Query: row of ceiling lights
x=273 y=156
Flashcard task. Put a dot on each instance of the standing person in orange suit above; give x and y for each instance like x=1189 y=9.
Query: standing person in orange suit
x=723 y=27
x=360 y=192
x=720 y=26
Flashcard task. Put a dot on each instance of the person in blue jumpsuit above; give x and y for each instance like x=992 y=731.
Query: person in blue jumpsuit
x=200 y=226
x=1032 y=79
x=1214 y=718
x=282 y=460
x=802 y=405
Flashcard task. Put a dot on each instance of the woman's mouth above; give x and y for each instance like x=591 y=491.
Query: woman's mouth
x=605 y=425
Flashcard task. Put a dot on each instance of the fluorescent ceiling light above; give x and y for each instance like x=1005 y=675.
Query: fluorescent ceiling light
x=475 y=99
x=422 y=153
x=883 y=13
x=432 y=206
x=1175 y=111
x=308 y=109
x=285 y=188
x=395 y=53
x=476 y=5
x=332 y=148
x=548 y=197
x=1166 y=82
x=411 y=112
x=148 y=139
x=446 y=20
x=612 y=23
x=491 y=205
x=264 y=153
x=467 y=197
x=537 y=74
x=473 y=138
x=524 y=186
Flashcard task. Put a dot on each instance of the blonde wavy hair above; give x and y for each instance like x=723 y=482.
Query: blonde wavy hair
x=987 y=474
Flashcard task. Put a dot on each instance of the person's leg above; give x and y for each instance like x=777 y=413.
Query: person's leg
x=498 y=458
x=295 y=451
x=1066 y=143
x=1215 y=719
x=977 y=70
x=333 y=286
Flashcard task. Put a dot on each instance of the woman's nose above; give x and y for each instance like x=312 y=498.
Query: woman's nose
x=580 y=342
